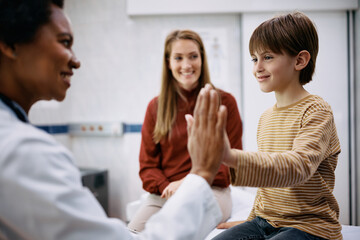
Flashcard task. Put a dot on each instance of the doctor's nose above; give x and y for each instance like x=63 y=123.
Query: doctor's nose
x=74 y=62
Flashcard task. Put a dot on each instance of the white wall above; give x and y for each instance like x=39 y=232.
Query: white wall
x=155 y=7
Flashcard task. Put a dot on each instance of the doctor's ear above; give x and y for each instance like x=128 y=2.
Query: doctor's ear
x=302 y=60
x=7 y=50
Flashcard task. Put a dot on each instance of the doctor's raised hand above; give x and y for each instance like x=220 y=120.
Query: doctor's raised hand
x=206 y=134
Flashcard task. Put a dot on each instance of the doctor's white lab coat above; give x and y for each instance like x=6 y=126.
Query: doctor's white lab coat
x=41 y=195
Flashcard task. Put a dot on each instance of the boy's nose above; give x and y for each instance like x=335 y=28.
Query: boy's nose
x=258 y=67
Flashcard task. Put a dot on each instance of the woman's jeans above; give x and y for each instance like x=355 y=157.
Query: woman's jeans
x=259 y=228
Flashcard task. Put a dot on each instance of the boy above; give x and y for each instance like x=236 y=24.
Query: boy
x=297 y=141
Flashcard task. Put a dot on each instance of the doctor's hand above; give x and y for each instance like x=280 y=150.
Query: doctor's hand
x=171 y=189
x=206 y=134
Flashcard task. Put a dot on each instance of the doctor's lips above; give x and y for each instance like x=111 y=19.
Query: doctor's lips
x=66 y=76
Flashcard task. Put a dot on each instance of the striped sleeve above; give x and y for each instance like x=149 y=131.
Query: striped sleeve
x=295 y=166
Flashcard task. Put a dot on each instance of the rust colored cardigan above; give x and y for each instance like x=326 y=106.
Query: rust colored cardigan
x=169 y=160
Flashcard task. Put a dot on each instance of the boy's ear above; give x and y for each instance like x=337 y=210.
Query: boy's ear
x=302 y=60
x=7 y=50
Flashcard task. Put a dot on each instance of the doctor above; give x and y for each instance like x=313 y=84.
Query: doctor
x=41 y=196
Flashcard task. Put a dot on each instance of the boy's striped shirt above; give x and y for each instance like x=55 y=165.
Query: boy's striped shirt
x=295 y=168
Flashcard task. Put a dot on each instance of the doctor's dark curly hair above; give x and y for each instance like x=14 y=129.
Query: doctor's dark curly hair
x=20 y=19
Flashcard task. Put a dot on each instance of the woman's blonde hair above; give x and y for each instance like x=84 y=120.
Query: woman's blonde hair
x=170 y=90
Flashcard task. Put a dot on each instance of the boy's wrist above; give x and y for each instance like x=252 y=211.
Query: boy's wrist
x=231 y=158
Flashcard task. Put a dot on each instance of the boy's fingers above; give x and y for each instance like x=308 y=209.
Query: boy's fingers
x=189 y=123
x=208 y=87
x=221 y=119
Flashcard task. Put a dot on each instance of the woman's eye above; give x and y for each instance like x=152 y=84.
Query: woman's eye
x=254 y=59
x=177 y=58
x=268 y=57
x=194 y=56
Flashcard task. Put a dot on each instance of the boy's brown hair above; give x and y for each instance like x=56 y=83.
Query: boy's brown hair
x=290 y=33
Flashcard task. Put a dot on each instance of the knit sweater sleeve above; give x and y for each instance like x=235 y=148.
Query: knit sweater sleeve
x=153 y=178
x=314 y=142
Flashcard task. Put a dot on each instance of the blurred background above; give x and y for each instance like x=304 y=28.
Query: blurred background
x=120 y=46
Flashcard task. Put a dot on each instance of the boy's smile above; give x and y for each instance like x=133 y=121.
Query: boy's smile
x=262 y=78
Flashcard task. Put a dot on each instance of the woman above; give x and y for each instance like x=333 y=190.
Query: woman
x=164 y=158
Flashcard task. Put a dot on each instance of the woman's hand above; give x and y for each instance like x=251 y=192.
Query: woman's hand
x=171 y=189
